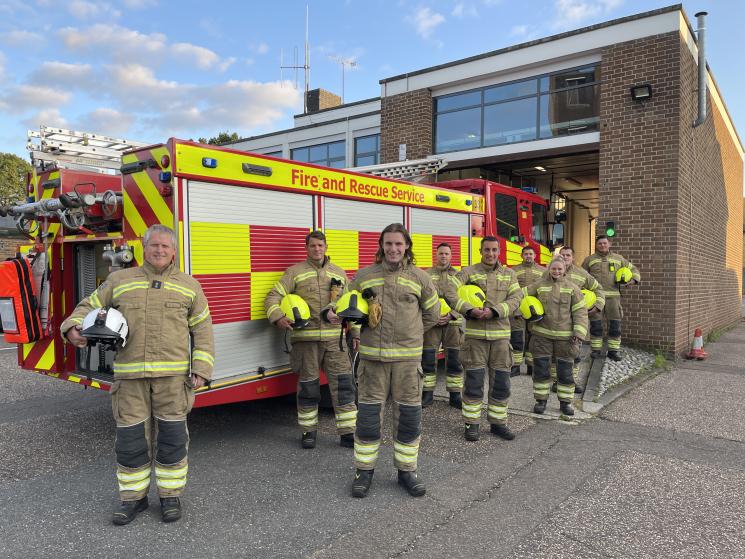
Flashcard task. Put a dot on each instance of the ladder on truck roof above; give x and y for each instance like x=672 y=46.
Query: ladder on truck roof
x=413 y=170
x=74 y=149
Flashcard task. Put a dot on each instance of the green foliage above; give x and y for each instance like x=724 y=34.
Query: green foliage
x=13 y=171
x=221 y=138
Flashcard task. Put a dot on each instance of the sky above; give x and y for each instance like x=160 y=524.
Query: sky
x=146 y=70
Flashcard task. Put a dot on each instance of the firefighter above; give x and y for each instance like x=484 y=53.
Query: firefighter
x=447 y=333
x=169 y=354
x=527 y=272
x=487 y=344
x=402 y=305
x=603 y=265
x=582 y=279
x=316 y=345
x=558 y=334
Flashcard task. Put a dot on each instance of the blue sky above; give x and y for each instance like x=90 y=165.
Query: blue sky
x=150 y=69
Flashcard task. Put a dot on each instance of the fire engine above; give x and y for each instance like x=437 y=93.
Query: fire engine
x=241 y=220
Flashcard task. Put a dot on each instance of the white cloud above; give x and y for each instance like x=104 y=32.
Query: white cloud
x=203 y=57
x=227 y=63
x=21 y=38
x=461 y=10
x=425 y=21
x=262 y=48
x=140 y=4
x=24 y=97
x=82 y=9
x=573 y=12
x=115 y=39
x=63 y=74
x=109 y=122
x=46 y=117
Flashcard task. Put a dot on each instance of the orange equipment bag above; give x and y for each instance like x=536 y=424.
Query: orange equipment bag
x=18 y=304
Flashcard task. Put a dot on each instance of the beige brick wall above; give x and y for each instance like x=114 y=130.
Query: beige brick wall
x=406 y=119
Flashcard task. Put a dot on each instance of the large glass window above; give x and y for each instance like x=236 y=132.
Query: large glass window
x=367 y=150
x=564 y=102
x=329 y=155
x=506 y=216
x=539 y=223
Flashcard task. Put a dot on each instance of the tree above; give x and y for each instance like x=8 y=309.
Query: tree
x=221 y=138
x=13 y=171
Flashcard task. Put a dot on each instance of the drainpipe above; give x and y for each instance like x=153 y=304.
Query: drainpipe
x=700 y=33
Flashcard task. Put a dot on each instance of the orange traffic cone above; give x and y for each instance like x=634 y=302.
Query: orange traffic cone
x=697 y=348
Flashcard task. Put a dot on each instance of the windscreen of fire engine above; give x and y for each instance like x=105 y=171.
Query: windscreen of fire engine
x=539 y=223
x=506 y=216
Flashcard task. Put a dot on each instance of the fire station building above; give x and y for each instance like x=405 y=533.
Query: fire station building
x=603 y=121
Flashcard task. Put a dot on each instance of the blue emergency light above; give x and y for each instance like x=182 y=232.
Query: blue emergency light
x=209 y=162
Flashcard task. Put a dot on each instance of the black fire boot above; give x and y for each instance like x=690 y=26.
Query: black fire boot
x=128 y=510
x=578 y=389
x=515 y=371
x=529 y=370
x=472 y=432
x=428 y=398
x=502 y=431
x=554 y=387
x=308 y=440
x=411 y=483
x=596 y=354
x=346 y=440
x=566 y=408
x=362 y=481
x=170 y=509
x=455 y=400
x=614 y=355
x=540 y=406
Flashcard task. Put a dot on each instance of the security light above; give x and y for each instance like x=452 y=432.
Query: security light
x=641 y=92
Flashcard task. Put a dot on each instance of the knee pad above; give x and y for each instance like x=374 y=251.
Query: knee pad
x=473 y=386
x=596 y=328
x=409 y=423
x=345 y=389
x=564 y=371
x=131 y=446
x=368 y=421
x=517 y=340
x=429 y=360
x=541 y=366
x=172 y=439
x=309 y=393
x=453 y=363
x=614 y=328
x=500 y=388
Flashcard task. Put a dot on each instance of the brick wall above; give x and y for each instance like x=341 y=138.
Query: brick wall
x=319 y=99
x=653 y=164
x=406 y=119
x=9 y=246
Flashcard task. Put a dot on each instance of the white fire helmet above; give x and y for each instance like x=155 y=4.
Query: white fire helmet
x=105 y=326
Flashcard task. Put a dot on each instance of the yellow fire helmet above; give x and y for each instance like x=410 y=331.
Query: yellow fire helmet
x=590 y=298
x=351 y=306
x=444 y=307
x=296 y=310
x=473 y=295
x=531 y=308
x=623 y=275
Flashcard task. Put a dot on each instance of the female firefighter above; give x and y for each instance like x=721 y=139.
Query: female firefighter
x=557 y=313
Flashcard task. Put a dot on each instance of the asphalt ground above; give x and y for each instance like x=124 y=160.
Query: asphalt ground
x=659 y=473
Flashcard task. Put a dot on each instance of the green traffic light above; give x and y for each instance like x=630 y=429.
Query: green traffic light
x=610 y=229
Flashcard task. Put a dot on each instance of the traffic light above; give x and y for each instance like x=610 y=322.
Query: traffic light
x=610 y=229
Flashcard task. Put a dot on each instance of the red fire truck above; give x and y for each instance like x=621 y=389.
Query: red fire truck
x=241 y=220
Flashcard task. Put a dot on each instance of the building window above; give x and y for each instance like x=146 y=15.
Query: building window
x=367 y=150
x=329 y=155
x=557 y=104
x=273 y=154
x=506 y=216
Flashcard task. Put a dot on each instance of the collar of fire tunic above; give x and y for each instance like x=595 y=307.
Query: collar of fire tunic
x=310 y=261
x=496 y=268
x=399 y=267
x=151 y=270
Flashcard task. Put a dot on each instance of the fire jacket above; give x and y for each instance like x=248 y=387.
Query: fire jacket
x=503 y=296
x=166 y=313
x=410 y=306
x=603 y=269
x=447 y=284
x=528 y=273
x=313 y=283
x=565 y=312
x=582 y=279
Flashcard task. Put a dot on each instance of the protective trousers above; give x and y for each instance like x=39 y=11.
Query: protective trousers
x=565 y=352
x=613 y=313
x=480 y=356
x=150 y=415
x=451 y=338
x=518 y=341
x=377 y=380
x=307 y=359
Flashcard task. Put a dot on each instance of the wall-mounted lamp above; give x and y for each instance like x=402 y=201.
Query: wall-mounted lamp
x=641 y=92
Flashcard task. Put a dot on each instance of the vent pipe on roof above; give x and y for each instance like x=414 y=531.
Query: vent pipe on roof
x=700 y=33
